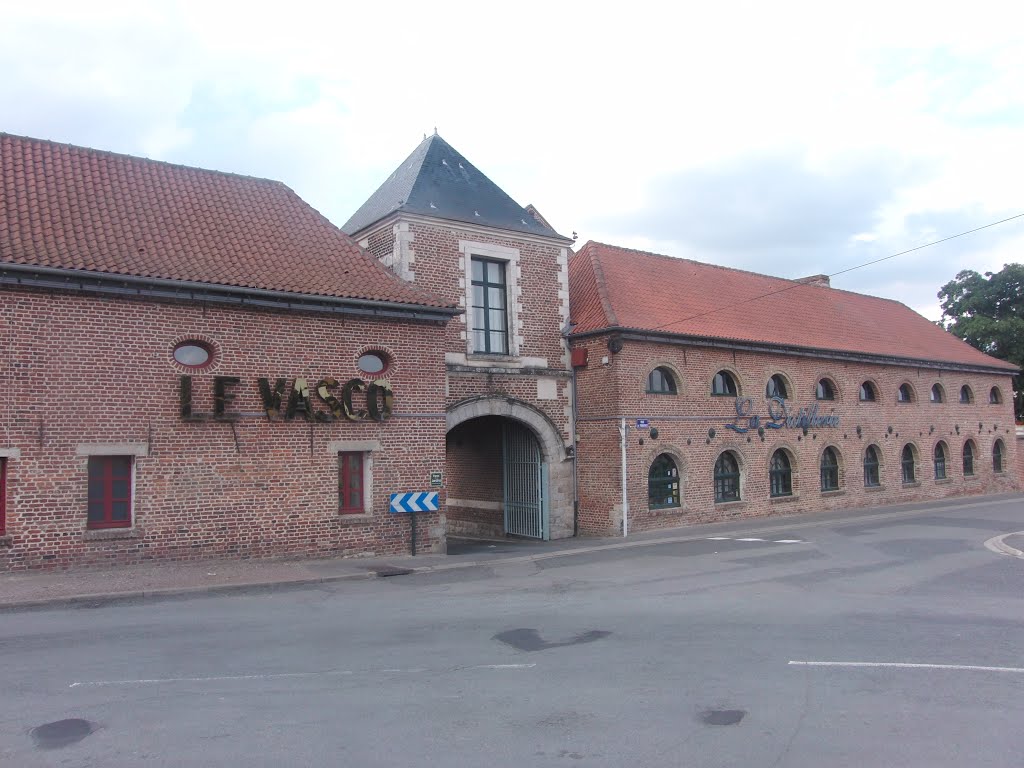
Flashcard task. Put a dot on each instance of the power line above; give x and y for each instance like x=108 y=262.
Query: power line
x=834 y=274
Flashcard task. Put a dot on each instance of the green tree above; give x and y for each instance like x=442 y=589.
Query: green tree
x=987 y=311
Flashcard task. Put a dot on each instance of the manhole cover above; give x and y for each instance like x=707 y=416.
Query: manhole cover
x=61 y=733
x=722 y=716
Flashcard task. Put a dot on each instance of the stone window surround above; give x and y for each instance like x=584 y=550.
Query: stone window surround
x=513 y=305
x=367 y=448
x=136 y=451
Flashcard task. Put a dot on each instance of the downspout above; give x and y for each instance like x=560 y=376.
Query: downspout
x=575 y=461
x=625 y=494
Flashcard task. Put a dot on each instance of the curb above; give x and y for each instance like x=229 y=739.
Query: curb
x=793 y=522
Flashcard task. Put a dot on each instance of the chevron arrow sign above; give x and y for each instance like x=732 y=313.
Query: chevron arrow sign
x=417 y=501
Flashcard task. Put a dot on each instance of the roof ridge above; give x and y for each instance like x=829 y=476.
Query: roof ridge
x=793 y=280
x=126 y=156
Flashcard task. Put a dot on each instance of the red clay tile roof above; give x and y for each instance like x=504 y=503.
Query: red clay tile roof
x=612 y=287
x=70 y=207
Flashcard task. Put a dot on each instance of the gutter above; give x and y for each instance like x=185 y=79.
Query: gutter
x=630 y=334
x=82 y=281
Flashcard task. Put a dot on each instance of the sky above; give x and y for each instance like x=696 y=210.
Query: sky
x=787 y=138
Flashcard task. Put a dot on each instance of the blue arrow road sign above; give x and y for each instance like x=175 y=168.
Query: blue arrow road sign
x=418 y=501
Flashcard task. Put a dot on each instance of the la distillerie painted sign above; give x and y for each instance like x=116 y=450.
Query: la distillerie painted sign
x=328 y=400
x=778 y=417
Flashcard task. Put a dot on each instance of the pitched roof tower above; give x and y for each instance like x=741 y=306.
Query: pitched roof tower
x=437 y=181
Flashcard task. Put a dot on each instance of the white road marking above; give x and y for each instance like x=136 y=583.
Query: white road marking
x=998 y=545
x=789 y=541
x=749 y=539
x=905 y=665
x=719 y=538
x=283 y=675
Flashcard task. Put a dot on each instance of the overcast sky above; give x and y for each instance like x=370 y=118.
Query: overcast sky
x=784 y=138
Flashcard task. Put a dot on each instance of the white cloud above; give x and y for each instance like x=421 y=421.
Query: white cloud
x=584 y=109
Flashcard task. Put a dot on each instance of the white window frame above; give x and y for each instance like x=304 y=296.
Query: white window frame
x=513 y=293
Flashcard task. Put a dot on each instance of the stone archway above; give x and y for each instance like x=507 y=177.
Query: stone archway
x=490 y=410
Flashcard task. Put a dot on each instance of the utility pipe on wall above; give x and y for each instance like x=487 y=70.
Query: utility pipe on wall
x=625 y=494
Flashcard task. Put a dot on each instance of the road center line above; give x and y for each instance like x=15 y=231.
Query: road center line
x=905 y=665
x=285 y=675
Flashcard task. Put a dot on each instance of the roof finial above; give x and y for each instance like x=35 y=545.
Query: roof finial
x=435 y=130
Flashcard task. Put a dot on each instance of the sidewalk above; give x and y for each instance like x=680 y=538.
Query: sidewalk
x=33 y=589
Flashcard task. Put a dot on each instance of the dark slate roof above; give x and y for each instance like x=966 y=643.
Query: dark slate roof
x=73 y=208
x=435 y=180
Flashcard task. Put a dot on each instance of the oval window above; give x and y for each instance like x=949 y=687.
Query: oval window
x=372 y=362
x=193 y=354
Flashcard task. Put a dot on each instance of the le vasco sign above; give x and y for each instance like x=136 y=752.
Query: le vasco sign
x=334 y=401
x=778 y=417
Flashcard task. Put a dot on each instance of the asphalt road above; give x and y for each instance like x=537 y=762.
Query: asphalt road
x=675 y=654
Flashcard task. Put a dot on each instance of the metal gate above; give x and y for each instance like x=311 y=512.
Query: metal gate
x=526 y=483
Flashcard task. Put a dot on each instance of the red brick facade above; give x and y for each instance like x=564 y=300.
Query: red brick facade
x=691 y=428
x=87 y=375
x=433 y=253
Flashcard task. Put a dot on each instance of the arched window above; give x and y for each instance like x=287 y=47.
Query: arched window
x=937 y=394
x=907 y=464
x=997 y=456
x=661 y=382
x=871 y=478
x=781 y=474
x=829 y=470
x=776 y=387
x=940 y=460
x=826 y=390
x=968 y=458
x=867 y=392
x=663 y=483
x=995 y=397
x=724 y=384
x=904 y=394
x=966 y=396
x=727 y=478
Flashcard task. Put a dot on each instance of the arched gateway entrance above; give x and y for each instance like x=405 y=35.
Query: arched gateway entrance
x=507 y=472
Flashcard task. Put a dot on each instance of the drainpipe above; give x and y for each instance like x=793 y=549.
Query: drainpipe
x=575 y=461
x=625 y=494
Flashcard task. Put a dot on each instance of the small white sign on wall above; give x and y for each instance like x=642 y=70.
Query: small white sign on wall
x=547 y=389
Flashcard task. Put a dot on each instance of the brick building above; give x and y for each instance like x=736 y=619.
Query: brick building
x=708 y=393
x=198 y=364
x=442 y=225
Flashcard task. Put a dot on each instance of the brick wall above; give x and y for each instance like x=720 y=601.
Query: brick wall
x=685 y=422
x=83 y=370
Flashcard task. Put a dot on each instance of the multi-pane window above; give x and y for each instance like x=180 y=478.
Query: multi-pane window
x=968 y=458
x=661 y=382
x=995 y=397
x=937 y=394
x=907 y=464
x=825 y=390
x=867 y=392
x=966 y=396
x=3 y=496
x=940 y=461
x=489 y=313
x=780 y=474
x=663 y=483
x=727 y=478
x=871 y=477
x=997 y=457
x=829 y=470
x=350 y=483
x=110 y=492
x=724 y=384
x=904 y=394
x=776 y=387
